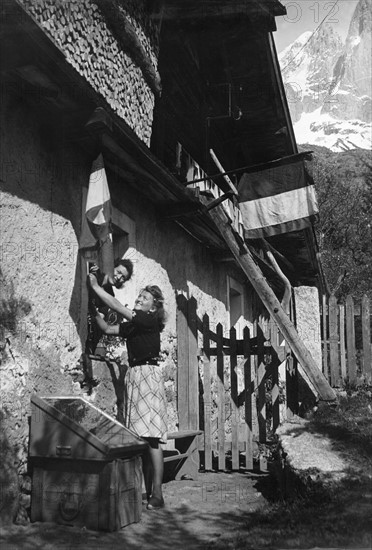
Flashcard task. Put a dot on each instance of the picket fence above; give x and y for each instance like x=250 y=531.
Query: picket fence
x=346 y=341
x=229 y=387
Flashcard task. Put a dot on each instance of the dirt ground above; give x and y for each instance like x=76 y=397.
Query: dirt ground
x=210 y=512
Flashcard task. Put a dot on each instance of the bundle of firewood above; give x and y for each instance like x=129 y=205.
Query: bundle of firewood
x=119 y=63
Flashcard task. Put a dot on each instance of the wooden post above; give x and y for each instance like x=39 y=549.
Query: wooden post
x=188 y=381
x=182 y=362
x=333 y=341
x=261 y=393
x=259 y=283
x=221 y=398
x=207 y=396
x=325 y=336
x=350 y=340
x=366 y=336
x=275 y=376
x=248 y=400
x=234 y=401
x=291 y=383
x=342 y=343
x=193 y=416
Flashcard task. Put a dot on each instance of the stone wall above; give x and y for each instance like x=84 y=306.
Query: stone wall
x=42 y=284
x=80 y=30
x=308 y=320
x=42 y=275
x=308 y=327
x=40 y=293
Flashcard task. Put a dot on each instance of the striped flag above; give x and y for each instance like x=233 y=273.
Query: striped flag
x=277 y=200
x=96 y=224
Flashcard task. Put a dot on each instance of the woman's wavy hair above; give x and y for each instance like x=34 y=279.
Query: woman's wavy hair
x=160 y=313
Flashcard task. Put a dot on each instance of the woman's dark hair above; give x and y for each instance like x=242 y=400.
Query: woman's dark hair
x=157 y=294
x=127 y=264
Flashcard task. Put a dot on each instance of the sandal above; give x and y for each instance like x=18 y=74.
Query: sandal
x=155 y=503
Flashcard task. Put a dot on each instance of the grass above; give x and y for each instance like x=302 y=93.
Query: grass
x=335 y=515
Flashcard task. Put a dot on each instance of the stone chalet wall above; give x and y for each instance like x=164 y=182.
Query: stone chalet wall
x=80 y=31
x=40 y=197
x=43 y=282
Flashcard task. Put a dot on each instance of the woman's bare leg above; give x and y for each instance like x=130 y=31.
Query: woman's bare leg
x=153 y=470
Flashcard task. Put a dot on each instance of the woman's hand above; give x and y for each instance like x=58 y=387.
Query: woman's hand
x=92 y=279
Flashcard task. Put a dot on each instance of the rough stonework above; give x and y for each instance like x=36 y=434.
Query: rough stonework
x=305 y=459
x=308 y=320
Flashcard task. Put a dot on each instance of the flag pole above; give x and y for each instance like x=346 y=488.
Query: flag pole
x=270 y=301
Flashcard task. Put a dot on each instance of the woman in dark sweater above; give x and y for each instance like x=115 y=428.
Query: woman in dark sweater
x=145 y=403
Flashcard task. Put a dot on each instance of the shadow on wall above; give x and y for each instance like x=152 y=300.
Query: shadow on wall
x=44 y=167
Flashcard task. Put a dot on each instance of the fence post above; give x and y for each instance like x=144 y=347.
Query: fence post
x=342 y=343
x=275 y=375
x=325 y=337
x=207 y=395
x=182 y=361
x=248 y=399
x=333 y=340
x=234 y=400
x=221 y=398
x=187 y=378
x=193 y=417
x=366 y=337
x=261 y=391
x=350 y=340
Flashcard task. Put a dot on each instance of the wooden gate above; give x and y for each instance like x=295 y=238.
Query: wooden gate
x=346 y=341
x=229 y=387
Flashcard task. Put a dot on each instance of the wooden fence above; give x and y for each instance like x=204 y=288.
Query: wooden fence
x=346 y=341
x=229 y=387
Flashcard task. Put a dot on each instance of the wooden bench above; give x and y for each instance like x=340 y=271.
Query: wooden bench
x=185 y=449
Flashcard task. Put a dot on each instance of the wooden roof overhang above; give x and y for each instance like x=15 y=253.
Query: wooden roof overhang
x=210 y=51
x=192 y=10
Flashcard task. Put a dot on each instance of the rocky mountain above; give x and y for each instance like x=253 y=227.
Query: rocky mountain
x=328 y=84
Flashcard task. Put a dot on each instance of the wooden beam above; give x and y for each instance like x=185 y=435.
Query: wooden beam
x=196 y=10
x=278 y=255
x=266 y=294
x=221 y=169
x=287 y=285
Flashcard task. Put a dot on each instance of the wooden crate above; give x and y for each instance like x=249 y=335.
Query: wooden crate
x=93 y=494
x=86 y=466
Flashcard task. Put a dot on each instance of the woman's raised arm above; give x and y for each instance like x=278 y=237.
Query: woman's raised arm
x=109 y=300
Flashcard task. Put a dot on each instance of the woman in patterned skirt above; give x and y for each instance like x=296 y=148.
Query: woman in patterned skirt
x=145 y=408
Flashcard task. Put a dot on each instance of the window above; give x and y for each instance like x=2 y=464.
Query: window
x=124 y=244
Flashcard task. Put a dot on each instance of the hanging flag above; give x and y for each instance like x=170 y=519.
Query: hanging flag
x=96 y=224
x=277 y=200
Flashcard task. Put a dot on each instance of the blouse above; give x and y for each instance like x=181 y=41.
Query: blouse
x=143 y=337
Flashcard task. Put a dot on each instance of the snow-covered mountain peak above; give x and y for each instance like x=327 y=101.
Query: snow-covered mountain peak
x=328 y=84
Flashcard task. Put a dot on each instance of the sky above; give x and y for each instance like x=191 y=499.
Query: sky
x=306 y=15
